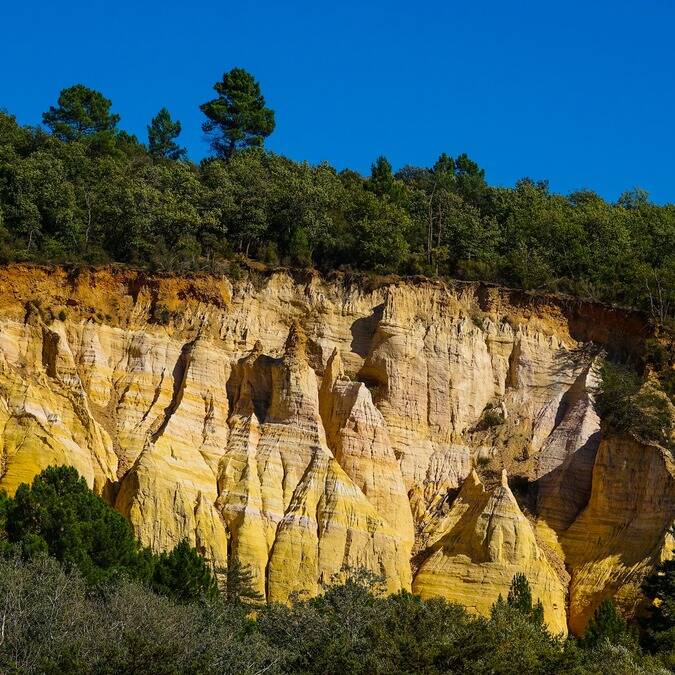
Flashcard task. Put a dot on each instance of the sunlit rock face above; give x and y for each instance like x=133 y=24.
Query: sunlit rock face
x=443 y=437
x=482 y=543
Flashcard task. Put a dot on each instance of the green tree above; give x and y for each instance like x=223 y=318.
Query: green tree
x=238 y=117
x=383 y=182
x=162 y=135
x=520 y=599
x=633 y=199
x=605 y=624
x=59 y=515
x=81 y=113
x=380 y=229
x=239 y=584
x=444 y=166
x=470 y=180
x=183 y=574
x=629 y=405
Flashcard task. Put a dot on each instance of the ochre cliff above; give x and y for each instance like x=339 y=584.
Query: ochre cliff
x=442 y=436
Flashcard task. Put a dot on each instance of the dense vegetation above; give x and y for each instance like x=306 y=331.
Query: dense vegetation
x=630 y=403
x=59 y=516
x=79 y=595
x=83 y=190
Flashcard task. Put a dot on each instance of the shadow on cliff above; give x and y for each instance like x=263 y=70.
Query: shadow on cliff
x=568 y=487
x=363 y=330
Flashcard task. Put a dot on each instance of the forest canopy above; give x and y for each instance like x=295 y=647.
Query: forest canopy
x=82 y=190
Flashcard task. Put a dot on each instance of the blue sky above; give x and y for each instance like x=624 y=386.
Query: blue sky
x=580 y=93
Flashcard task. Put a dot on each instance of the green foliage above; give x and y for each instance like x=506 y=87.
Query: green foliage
x=81 y=113
x=237 y=118
x=53 y=623
x=605 y=624
x=89 y=192
x=182 y=574
x=491 y=418
x=626 y=404
x=659 y=624
x=161 y=314
x=162 y=135
x=239 y=584
x=383 y=183
x=520 y=599
x=60 y=516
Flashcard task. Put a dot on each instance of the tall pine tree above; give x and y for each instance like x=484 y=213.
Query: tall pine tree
x=162 y=134
x=81 y=113
x=606 y=624
x=520 y=598
x=238 y=117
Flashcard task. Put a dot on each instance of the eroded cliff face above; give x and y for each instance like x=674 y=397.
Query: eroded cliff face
x=442 y=436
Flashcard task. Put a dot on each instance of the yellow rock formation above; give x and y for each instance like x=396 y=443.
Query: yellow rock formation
x=307 y=427
x=481 y=544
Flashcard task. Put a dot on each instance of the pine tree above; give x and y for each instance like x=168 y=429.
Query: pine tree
x=81 y=113
x=605 y=624
x=239 y=584
x=238 y=117
x=383 y=182
x=58 y=514
x=520 y=598
x=381 y=176
x=520 y=594
x=162 y=134
x=183 y=574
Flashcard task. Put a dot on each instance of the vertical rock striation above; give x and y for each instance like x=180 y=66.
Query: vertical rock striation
x=307 y=427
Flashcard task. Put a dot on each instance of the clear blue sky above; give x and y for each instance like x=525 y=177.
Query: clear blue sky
x=580 y=93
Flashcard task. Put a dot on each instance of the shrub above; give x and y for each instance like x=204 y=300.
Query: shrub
x=58 y=514
x=491 y=418
x=53 y=623
x=606 y=624
x=626 y=404
x=478 y=321
x=161 y=314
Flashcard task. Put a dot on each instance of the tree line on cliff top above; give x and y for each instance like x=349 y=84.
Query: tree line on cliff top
x=79 y=594
x=81 y=189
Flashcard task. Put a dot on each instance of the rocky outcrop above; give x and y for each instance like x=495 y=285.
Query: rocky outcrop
x=619 y=535
x=308 y=520
x=481 y=544
x=307 y=427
